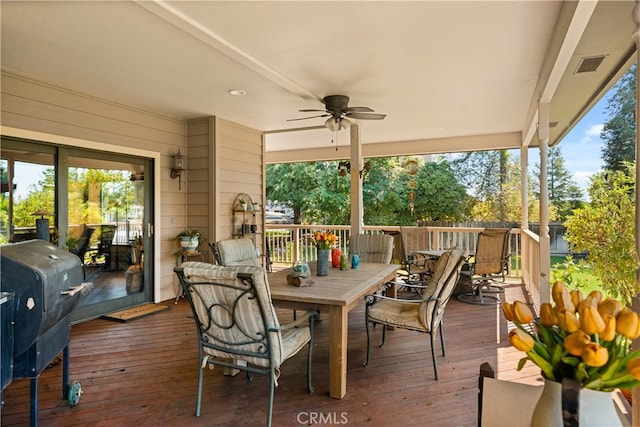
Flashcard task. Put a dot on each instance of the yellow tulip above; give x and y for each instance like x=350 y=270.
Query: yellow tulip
x=609 y=332
x=596 y=295
x=594 y=355
x=522 y=312
x=548 y=315
x=633 y=367
x=521 y=340
x=568 y=321
x=590 y=320
x=576 y=297
x=562 y=297
x=507 y=310
x=610 y=306
x=628 y=324
x=574 y=342
x=589 y=301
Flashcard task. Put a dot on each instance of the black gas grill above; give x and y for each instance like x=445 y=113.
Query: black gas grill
x=47 y=284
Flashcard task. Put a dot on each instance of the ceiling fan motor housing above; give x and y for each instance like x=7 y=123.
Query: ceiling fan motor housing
x=336 y=103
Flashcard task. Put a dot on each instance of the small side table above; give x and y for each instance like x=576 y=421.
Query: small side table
x=183 y=256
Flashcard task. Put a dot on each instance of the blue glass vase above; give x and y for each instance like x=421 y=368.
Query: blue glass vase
x=323 y=262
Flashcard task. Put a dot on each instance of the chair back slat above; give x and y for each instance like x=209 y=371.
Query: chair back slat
x=491 y=251
x=415 y=239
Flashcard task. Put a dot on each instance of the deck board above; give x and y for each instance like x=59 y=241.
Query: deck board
x=144 y=373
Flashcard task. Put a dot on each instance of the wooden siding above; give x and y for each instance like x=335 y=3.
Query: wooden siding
x=200 y=149
x=238 y=163
x=35 y=106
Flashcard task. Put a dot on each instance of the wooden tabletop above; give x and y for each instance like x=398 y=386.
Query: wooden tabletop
x=340 y=287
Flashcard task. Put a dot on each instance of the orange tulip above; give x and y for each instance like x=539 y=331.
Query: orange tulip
x=507 y=311
x=633 y=367
x=609 y=332
x=594 y=355
x=610 y=306
x=568 y=321
x=590 y=320
x=628 y=324
x=548 y=315
x=522 y=312
x=521 y=340
x=574 y=342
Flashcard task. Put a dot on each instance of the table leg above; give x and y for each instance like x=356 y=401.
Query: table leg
x=338 y=323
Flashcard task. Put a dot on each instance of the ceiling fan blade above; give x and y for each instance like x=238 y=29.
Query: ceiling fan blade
x=365 y=116
x=358 y=110
x=311 y=117
x=308 y=110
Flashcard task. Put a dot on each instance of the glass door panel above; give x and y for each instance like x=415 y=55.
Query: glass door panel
x=106 y=221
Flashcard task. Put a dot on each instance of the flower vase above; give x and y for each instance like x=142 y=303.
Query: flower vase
x=323 y=262
x=595 y=408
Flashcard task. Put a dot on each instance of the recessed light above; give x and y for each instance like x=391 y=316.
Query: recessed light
x=238 y=92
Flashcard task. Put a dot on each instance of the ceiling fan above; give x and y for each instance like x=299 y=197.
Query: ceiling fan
x=338 y=110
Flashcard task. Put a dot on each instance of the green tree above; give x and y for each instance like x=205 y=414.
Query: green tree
x=564 y=193
x=317 y=193
x=606 y=230
x=619 y=131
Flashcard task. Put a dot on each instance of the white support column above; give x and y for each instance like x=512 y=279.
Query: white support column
x=545 y=250
x=524 y=186
x=635 y=303
x=357 y=210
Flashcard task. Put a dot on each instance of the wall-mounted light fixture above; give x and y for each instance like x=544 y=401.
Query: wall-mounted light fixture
x=344 y=168
x=179 y=165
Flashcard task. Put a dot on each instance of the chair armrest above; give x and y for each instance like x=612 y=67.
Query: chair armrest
x=373 y=298
x=307 y=316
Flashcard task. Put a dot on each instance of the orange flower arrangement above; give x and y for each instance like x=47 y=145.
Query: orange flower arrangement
x=324 y=240
x=585 y=339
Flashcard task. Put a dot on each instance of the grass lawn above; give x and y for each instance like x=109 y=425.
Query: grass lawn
x=573 y=275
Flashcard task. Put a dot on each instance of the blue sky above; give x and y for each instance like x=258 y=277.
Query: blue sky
x=581 y=148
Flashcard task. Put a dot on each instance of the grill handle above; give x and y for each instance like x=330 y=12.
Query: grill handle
x=83 y=287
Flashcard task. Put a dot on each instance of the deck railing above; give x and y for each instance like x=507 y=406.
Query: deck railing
x=292 y=242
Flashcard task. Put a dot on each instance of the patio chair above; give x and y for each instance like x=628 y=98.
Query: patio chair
x=236 y=320
x=103 y=250
x=81 y=247
x=417 y=266
x=490 y=263
x=376 y=248
x=422 y=315
x=235 y=252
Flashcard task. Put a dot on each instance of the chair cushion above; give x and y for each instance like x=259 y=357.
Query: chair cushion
x=397 y=313
x=238 y=252
x=372 y=247
x=293 y=340
x=247 y=318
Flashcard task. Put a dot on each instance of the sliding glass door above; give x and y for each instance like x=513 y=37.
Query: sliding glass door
x=99 y=206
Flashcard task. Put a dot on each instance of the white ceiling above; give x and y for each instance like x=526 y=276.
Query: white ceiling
x=450 y=75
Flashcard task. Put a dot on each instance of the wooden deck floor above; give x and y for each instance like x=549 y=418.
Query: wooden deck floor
x=144 y=373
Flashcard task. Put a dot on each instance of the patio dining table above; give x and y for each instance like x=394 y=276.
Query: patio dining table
x=338 y=293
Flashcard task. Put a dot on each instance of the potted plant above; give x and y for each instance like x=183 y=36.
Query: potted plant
x=243 y=203
x=190 y=239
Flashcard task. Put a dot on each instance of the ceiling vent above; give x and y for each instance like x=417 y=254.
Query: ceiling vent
x=553 y=124
x=588 y=65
